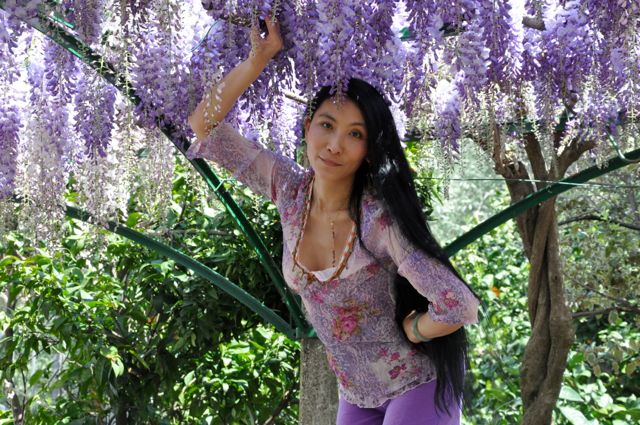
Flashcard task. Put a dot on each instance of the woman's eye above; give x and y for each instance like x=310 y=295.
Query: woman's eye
x=357 y=134
x=325 y=125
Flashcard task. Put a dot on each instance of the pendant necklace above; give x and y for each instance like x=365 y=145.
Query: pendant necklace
x=333 y=241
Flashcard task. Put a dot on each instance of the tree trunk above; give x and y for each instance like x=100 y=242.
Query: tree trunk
x=552 y=334
x=318 y=385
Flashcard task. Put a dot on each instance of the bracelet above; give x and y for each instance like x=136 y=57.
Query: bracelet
x=414 y=328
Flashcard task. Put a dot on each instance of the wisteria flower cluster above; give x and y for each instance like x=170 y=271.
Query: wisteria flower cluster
x=437 y=59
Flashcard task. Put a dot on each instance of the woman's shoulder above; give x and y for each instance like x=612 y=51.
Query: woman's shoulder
x=374 y=209
x=293 y=184
x=375 y=221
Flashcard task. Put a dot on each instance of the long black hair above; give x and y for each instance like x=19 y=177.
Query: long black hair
x=386 y=171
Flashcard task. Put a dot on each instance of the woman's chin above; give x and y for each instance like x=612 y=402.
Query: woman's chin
x=331 y=175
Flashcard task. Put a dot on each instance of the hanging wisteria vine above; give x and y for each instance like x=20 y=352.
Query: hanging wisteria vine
x=439 y=60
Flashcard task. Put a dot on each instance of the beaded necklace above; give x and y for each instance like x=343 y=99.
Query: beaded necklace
x=345 y=254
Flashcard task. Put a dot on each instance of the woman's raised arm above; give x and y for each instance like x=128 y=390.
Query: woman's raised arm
x=215 y=106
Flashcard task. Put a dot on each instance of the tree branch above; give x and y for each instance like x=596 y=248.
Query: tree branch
x=621 y=301
x=534 y=22
x=605 y=311
x=593 y=217
x=536 y=159
x=286 y=399
x=572 y=152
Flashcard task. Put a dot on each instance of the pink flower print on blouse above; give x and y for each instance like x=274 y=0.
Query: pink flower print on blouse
x=291 y=215
x=347 y=321
x=398 y=364
x=448 y=300
x=373 y=268
x=368 y=204
x=397 y=370
x=321 y=289
x=385 y=220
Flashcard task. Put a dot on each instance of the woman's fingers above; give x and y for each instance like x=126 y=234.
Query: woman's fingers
x=273 y=25
x=271 y=44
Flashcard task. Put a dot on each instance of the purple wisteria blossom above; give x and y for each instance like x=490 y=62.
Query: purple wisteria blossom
x=436 y=58
x=306 y=49
x=502 y=32
x=9 y=139
x=425 y=22
x=336 y=29
x=160 y=76
x=447 y=107
x=57 y=95
x=60 y=73
x=570 y=44
x=382 y=50
x=9 y=113
x=26 y=10
x=94 y=106
x=86 y=15
x=470 y=61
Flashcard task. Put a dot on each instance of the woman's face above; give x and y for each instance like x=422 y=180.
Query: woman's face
x=336 y=139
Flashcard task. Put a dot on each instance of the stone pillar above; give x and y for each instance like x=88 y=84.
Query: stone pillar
x=318 y=385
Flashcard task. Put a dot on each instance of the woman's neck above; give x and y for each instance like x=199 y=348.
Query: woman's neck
x=331 y=196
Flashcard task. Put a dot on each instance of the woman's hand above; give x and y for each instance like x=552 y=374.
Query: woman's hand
x=215 y=105
x=264 y=49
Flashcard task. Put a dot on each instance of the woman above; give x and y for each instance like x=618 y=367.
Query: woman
x=380 y=292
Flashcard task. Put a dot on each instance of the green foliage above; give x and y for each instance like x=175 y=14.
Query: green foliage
x=496 y=269
x=602 y=275
x=426 y=187
x=247 y=381
x=103 y=330
x=601 y=383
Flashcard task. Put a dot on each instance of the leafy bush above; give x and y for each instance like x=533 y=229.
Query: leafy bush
x=102 y=330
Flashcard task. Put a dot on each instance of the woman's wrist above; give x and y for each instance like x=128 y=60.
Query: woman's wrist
x=412 y=329
x=258 y=61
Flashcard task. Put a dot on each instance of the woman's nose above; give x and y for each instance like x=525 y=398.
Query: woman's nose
x=335 y=144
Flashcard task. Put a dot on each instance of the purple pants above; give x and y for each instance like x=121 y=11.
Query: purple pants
x=415 y=407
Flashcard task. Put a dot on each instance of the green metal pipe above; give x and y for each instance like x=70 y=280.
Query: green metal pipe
x=538 y=197
x=198 y=268
x=616 y=147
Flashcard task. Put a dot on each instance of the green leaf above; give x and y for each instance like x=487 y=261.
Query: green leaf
x=36 y=377
x=574 y=416
x=117 y=366
x=635 y=413
x=568 y=393
x=9 y=259
x=189 y=378
x=604 y=401
x=133 y=219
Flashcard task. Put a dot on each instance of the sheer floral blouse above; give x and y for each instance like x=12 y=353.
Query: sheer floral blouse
x=351 y=306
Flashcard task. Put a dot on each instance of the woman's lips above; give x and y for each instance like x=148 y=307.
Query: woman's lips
x=329 y=163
